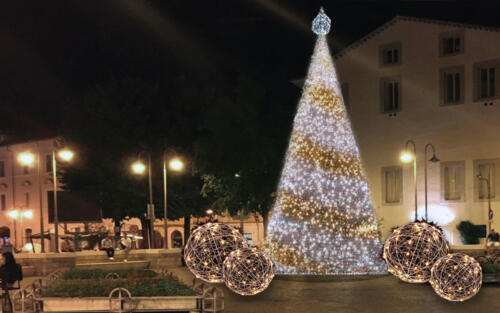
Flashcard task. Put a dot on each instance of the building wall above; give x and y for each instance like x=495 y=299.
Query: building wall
x=463 y=132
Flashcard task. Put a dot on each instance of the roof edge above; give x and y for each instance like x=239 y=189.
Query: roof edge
x=397 y=18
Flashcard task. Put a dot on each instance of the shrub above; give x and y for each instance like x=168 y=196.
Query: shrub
x=468 y=233
x=100 y=273
x=79 y=288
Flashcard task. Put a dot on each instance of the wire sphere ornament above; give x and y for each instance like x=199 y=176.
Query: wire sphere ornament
x=248 y=271
x=456 y=277
x=207 y=248
x=412 y=249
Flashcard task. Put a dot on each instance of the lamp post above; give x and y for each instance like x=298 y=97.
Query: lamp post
x=27 y=159
x=65 y=155
x=176 y=165
x=490 y=211
x=407 y=157
x=139 y=168
x=433 y=159
x=19 y=214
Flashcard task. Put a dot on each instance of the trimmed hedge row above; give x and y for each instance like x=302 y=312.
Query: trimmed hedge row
x=80 y=283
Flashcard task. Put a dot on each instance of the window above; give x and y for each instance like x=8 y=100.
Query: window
x=452 y=85
x=48 y=163
x=3 y=202
x=453 y=181
x=26 y=170
x=488 y=169
x=27 y=198
x=485 y=81
x=390 y=54
x=392 y=185
x=345 y=94
x=248 y=237
x=2 y=168
x=391 y=94
x=451 y=43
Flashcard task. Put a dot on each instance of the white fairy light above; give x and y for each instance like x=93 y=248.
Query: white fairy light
x=248 y=271
x=456 y=277
x=411 y=251
x=207 y=248
x=323 y=221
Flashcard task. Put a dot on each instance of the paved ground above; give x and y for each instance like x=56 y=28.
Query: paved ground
x=379 y=294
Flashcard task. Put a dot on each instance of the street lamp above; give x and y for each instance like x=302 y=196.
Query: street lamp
x=490 y=211
x=138 y=167
x=19 y=214
x=176 y=165
x=27 y=159
x=433 y=159
x=65 y=155
x=407 y=157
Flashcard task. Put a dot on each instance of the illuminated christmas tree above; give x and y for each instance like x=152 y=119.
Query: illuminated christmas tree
x=323 y=221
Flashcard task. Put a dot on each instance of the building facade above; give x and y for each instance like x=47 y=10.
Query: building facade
x=431 y=82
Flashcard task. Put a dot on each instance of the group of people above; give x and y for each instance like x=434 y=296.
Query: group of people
x=108 y=245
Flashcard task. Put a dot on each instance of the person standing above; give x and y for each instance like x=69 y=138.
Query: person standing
x=10 y=272
x=107 y=245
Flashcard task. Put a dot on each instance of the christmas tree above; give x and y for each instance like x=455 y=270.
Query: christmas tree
x=323 y=221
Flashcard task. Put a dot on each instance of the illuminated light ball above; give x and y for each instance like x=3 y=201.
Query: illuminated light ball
x=456 y=277
x=248 y=271
x=411 y=251
x=207 y=248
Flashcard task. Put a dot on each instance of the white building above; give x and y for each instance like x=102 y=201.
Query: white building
x=433 y=82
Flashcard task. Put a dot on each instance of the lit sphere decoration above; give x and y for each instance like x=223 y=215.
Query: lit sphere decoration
x=207 y=248
x=412 y=249
x=248 y=271
x=456 y=277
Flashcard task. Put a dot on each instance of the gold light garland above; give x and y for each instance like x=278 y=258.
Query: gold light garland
x=456 y=277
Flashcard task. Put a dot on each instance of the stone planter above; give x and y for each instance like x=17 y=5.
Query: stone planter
x=134 y=304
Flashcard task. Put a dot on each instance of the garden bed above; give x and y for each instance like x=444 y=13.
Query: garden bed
x=80 y=290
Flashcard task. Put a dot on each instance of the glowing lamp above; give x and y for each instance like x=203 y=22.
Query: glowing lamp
x=406 y=157
x=28 y=214
x=138 y=167
x=13 y=214
x=176 y=165
x=28 y=247
x=65 y=155
x=26 y=158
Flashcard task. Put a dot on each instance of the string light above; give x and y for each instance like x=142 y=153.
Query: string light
x=456 y=277
x=207 y=248
x=411 y=251
x=323 y=221
x=248 y=271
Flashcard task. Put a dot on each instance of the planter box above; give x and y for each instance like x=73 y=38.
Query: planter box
x=137 y=304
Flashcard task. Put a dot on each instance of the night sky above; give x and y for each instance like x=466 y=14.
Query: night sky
x=53 y=51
